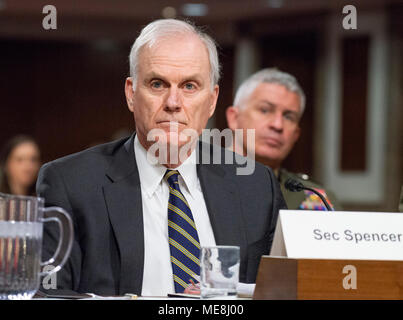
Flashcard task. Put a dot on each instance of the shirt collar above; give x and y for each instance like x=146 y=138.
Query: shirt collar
x=151 y=174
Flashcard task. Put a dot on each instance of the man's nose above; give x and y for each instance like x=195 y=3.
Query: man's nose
x=173 y=101
x=276 y=122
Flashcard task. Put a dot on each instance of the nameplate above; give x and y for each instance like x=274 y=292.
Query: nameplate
x=338 y=235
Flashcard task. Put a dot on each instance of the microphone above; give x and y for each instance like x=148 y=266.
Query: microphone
x=296 y=186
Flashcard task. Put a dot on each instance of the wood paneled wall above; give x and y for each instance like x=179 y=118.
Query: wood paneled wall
x=66 y=95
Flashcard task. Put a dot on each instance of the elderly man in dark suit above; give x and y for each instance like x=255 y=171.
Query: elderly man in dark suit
x=142 y=213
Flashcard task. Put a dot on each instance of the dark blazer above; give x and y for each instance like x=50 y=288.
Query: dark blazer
x=100 y=188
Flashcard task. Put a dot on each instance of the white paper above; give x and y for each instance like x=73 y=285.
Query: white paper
x=246 y=289
x=339 y=235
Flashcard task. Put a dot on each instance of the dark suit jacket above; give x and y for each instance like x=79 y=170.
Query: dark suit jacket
x=100 y=188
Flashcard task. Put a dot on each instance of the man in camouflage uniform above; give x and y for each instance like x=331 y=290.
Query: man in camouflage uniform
x=272 y=102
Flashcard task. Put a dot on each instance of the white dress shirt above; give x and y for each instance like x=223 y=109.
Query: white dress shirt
x=157 y=274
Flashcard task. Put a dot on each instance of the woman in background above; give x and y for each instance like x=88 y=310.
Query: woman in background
x=19 y=166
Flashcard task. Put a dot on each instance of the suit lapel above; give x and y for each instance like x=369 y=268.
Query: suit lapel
x=223 y=204
x=123 y=201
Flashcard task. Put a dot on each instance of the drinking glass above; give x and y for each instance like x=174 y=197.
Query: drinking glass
x=219 y=272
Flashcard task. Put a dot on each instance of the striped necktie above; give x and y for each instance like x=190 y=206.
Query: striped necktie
x=183 y=239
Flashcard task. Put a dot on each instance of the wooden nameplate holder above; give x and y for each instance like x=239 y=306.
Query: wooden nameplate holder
x=282 y=278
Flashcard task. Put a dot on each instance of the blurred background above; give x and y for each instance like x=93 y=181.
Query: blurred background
x=65 y=87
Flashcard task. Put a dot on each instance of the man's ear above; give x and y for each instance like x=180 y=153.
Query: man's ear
x=215 y=93
x=232 y=114
x=129 y=93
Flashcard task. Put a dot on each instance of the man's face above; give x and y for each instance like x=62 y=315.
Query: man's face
x=274 y=113
x=173 y=88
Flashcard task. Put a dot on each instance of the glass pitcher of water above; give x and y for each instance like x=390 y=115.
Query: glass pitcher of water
x=21 y=226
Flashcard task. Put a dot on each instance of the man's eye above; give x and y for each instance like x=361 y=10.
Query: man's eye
x=291 y=117
x=156 y=84
x=264 y=110
x=190 y=86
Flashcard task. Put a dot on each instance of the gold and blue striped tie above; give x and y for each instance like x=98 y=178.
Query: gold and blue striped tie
x=183 y=239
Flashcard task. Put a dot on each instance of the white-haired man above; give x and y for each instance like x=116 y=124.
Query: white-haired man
x=140 y=223
x=272 y=102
